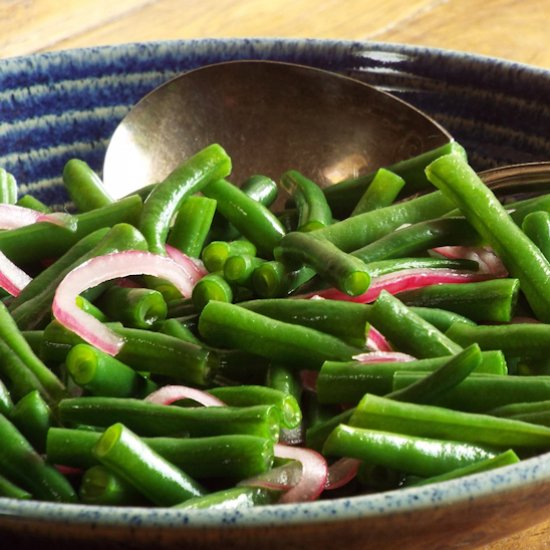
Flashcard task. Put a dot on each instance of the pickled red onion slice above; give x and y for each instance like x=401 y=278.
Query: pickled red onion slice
x=104 y=268
x=13 y=216
x=303 y=479
x=169 y=394
x=410 y=279
x=314 y=473
x=383 y=357
x=193 y=266
x=12 y=279
x=341 y=472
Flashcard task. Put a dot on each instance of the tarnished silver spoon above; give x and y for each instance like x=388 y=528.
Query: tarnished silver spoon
x=270 y=117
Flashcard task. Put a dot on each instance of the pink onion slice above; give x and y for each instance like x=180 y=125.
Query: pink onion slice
x=169 y=394
x=104 y=268
x=308 y=378
x=407 y=279
x=341 y=472
x=193 y=266
x=488 y=261
x=303 y=479
x=314 y=473
x=376 y=341
x=12 y=279
x=383 y=357
x=13 y=216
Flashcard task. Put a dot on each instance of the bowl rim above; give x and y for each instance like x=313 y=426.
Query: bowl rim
x=525 y=474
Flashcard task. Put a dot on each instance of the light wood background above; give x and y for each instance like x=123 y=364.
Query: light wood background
x=514 y=29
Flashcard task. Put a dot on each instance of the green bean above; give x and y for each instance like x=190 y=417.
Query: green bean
x=339 y=269
x=33 y=418
x=504 y=459
x=311 y=203
x=261 y=188
x=347 y=382
x=382 y=191
x=528 y=341
x=100 y=485
x=253 y=220
x=8 y=187
x=233 y=456
x=88 y=307
x=53 y=274
x=18 y=378
x=380 y=413
x=515 y=409
x=229 y=325
x=414 y=455
x=235 y=498
x=43 y=240
x=346 y=320
x=273 y=279
x=238 y=269
x=156 y=478
x=343 y=196
x=247 y=395
x=483 y=210
x=6 y=403
x=440 y=318
x=143 y=350
x=10 y=490
x=418 y=238
x=149 y=419
x=28 y=201
x=435 y=384
x=193 y=221
x=172 y=327
x=22 y=465
x=211 y=287
x=484 y=392
x=216 y=253
x=383 y=267
x=101 y=374
x=354 y=233
x=492 y=301
x=317 y=434
x=536 y=226
x=122 y=236
x=166 y=198
x=84 y=186
x=407 y=331
x=519 y=210
x=10 y=334
x=281 y=378
x=133 y=307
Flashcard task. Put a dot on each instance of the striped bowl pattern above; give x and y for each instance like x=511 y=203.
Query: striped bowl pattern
x=59 y=105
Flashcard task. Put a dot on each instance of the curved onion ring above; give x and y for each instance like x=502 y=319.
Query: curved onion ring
x=194 y=267
x=104 y=268
x=12 y=279
x=376 y=341
x=13 y=216
x=314 y=473
x=408 y=279
x=341 y=472
x=303 y=479
x=169 y=394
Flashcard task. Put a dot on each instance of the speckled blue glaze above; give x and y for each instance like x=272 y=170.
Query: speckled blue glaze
x=58 y=105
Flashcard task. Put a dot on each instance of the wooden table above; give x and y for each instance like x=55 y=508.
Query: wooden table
x=512 y=29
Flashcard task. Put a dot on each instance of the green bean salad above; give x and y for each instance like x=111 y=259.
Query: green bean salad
x=192 y=346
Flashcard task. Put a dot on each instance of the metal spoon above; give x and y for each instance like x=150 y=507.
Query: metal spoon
x=270 y=117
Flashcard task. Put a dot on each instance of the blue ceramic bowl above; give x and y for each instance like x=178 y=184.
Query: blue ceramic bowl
x=60 y=105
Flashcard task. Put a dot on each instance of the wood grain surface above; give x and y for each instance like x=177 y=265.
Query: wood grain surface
x=514 y=29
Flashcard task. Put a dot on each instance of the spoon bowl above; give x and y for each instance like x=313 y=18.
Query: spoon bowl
x=270 y=117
